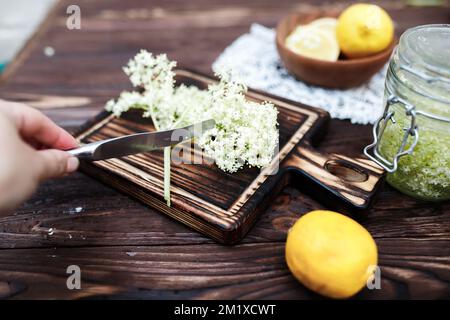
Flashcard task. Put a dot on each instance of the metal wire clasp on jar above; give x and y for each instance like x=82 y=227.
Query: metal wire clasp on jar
x=412 y=137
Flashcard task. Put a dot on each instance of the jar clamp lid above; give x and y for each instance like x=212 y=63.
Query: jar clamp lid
x=422 y=56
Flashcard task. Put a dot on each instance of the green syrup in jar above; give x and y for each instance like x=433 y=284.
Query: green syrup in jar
x=419 y=74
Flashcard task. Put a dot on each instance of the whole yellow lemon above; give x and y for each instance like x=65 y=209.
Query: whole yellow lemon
x=330 y=253
x=364 y=29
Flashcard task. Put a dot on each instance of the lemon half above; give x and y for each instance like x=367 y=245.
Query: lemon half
x=313 y=42
x=328 y=24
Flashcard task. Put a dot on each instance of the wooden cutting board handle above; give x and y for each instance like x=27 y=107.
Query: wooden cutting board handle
x=336 y=177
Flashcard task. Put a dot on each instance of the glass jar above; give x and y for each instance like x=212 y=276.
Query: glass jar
x=412 y=137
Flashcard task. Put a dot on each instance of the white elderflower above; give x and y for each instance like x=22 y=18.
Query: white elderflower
x=245 y=132
x=125 y=101
x=151 y=73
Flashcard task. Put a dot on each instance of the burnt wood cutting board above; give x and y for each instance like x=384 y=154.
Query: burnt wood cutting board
x=222 y=205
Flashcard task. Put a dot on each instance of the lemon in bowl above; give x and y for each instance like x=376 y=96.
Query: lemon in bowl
x=364 y=29
x=314 y=41
x=331 y=254
x=328 y=24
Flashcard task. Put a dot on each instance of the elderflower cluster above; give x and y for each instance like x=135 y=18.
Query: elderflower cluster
x=245 y=132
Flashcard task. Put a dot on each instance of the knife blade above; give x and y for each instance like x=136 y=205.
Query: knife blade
x=139 y=142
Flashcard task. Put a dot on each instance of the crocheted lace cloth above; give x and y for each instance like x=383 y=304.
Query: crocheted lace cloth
x=253 y=59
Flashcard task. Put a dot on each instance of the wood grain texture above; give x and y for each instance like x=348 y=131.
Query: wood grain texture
x=172 y=261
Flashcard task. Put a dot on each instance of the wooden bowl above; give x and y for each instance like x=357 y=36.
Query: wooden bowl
x=344 y=73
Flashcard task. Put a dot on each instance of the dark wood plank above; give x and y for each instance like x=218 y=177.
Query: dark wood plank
x=413 y=237
x=207 y=271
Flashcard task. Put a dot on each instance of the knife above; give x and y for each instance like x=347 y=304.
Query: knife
x=139 y=142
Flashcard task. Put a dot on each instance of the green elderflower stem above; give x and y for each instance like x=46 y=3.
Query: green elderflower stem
x=167 y=151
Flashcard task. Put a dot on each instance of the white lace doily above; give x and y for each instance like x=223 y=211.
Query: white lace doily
x=253 y=58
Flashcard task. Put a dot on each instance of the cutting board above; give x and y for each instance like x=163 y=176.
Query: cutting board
x=222 y=205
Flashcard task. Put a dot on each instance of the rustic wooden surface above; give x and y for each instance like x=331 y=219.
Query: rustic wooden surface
x=128 y=250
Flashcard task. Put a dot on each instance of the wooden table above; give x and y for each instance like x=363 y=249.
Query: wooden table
x=127 y=250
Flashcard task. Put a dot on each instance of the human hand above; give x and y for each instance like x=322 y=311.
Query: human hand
x=31 y=151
